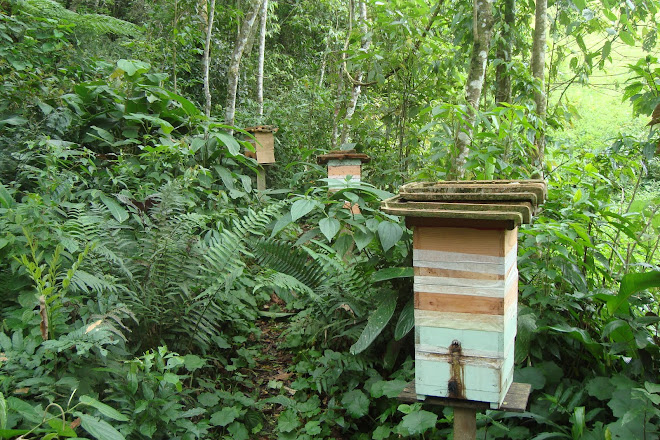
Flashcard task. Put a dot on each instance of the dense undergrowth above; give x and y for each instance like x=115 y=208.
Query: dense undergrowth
x=148 y=291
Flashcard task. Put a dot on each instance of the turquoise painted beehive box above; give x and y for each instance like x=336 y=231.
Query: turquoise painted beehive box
x=465 y=236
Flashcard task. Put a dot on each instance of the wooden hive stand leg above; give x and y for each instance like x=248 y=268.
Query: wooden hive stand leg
x=465 y=424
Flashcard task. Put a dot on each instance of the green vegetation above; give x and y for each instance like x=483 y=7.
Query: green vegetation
x=148 y=290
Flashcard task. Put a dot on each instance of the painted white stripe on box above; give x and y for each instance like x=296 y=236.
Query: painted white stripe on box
x=466 y=321
x=466 y=286
x=342 y=162
x=460 y=261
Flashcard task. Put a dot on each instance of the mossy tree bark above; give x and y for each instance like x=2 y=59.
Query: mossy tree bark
x=482 y=32
x=538 y=71
x=244 y=33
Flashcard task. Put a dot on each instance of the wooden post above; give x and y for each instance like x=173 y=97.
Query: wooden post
x=261 y=179
x=465 y=424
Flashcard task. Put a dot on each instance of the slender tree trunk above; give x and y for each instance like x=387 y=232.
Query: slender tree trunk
x=174 y=43
x=235 y=63
x=206 y=59
x=482 y=29
x=355 y=93
x=262 y=50
x=538 y=71
x=502 y=77
x=334 y=138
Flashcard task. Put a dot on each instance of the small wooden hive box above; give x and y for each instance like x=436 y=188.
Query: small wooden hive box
x=265 y=144
x=342 y=164
x=466 y=282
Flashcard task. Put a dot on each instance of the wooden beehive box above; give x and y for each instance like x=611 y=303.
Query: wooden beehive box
x=265 y=143
x=342 y=164
x=466 y=282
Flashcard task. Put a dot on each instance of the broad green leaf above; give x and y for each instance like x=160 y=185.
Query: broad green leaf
x=362 y=238
x=382 y=432
x=3 y=412
x=406 y=320
x=607 y=49
x=631 y=284
x=119 y=213
x=131 y=67
x=281 y=223
x=580 y=4
x=329 y=227
x=232 y=145
x=63 y=429
x=288 y=421
x=104 y=409
x=600 y=388
x=6 y=200
x=376 y=323
x=417 y=422
x=530 y=375
x=301 y=207
x=238 y=431
x=356 y=403
x=24 y=409
x=193 y=362
x=165 y=126
x=225 y=416
x=389 y=233
x=627 y=38
x=100 y=429
x=313 y=427
x=390 y=273
x=13 y=120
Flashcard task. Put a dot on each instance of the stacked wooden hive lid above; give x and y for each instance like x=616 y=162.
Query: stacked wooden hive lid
x=509 y=202
x=343 y=156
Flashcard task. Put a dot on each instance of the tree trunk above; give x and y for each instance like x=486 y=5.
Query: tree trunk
x=355 y=93
x=235 y=63
x=482 y=29
x=502 y=77
x=538 y=71
x=334 y=138
x=206 y=59
x=262 y=50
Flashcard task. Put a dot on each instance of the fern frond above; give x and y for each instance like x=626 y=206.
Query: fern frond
x=281 y=257
x=96 y=23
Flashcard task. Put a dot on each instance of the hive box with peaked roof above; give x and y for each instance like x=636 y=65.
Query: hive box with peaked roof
x=466 y=282
x=343 y=165
x=264 y=145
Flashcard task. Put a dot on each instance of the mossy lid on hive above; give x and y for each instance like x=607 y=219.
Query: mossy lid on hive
x=343 y=155
x=511 y=202
x=262 y=129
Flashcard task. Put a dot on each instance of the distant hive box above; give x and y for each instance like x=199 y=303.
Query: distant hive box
x=265 y=143
x=466 y=282
x=341 y=165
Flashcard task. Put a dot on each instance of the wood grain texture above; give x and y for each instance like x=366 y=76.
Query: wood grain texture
x=344 y=170
x=449 y=273
x=463 y=240
x=515 y=400
x=454 y=303
x=430 y=318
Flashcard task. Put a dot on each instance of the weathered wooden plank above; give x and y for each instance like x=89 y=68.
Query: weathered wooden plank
x=344 y=170
x=473 y=342
x=449 y=273
x=448 y=222
x=430 y=318
x=466 y=240
x=524 y=208
x=466 y=286
x=396 y=207
x=454 y=303
x=515 y=399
